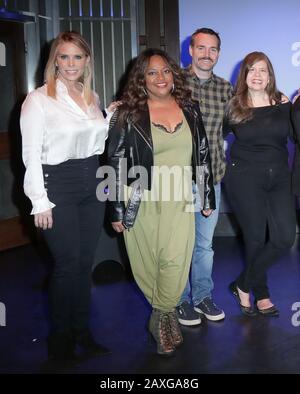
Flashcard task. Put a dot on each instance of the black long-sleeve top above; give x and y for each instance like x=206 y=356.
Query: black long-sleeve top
x=262 y=139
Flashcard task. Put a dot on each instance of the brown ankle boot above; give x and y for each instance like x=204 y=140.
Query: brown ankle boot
x=175 y=329
x=160 y=328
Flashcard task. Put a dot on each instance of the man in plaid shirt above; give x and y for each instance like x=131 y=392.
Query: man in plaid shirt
x=212 y=93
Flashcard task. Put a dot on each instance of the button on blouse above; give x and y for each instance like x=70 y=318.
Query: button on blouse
x=54 y=131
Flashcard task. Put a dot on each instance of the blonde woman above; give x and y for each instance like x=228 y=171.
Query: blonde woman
x=64 y=132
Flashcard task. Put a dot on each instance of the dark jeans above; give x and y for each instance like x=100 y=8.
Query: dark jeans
x=263 y=204
x=77 y=224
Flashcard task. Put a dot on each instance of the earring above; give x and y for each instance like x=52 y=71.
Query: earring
x=173 y=88
x=86 y=72
x=145 y=91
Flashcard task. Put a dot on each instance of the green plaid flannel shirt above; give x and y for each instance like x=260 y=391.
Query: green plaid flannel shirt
x=212 y=96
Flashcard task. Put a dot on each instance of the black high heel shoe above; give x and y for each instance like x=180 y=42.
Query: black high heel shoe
x=272 y=311
x=246 y=310
x=61 y=347
x=87 y=342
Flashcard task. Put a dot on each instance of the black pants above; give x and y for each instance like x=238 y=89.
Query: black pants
x=262 y=201
x=77 y=224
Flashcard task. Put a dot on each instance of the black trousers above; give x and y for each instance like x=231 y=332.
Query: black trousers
x=263 y=204
x=77 y=224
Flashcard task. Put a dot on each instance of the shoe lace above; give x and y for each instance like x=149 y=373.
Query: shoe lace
x=174 y=325
x=173 y=318
x=165 y=328
x=210 y=305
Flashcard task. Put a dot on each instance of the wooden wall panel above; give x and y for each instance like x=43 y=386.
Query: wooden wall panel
x=152 y=17
x=4 y=146
x=12 y=233
x=171 y=23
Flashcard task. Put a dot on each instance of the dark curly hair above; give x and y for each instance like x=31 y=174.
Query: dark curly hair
x=134 y=98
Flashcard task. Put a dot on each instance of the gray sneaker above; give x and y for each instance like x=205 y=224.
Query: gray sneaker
x=186 y=315
x=209 y=310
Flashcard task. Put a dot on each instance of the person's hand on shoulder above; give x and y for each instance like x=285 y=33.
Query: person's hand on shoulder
x=284 y=99
x=297 y=95
x=113 y=106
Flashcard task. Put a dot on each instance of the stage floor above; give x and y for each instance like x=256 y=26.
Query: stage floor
x=119 y=318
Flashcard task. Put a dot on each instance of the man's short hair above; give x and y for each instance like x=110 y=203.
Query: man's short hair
x=206 y=30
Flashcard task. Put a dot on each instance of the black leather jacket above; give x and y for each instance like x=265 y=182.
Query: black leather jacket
x=133 y=141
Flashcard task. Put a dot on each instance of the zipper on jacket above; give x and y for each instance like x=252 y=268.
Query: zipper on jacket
x=132 y=158
x=196 y=134
x=147 y=142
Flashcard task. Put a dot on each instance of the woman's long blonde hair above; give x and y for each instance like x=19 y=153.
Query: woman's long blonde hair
x=51 y=71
